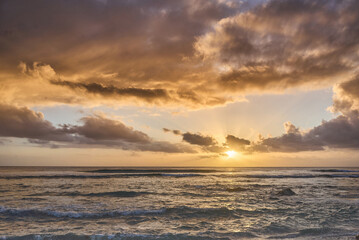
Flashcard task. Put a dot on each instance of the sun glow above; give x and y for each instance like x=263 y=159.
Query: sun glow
x=231 y=153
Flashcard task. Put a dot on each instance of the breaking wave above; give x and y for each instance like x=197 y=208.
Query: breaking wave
x=305 y=176
x=176 y=176
x=334 y=170
x=99 y=176
x=98 y=194
x=154 y=171
x=125 y=236
x=293 y=176
x=33 y=212
x=175 y=211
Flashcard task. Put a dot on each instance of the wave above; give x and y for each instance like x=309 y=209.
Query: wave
x=98 y=194
x=354 y=196
x=334 y=170
x=177 y=212
x=174 y=175
x=98 y=176
x=322 y=233
x=116 y=194
x=236 y=189
x=125 y=236
x=34 y=212
x=183 y=211
x=180 y=175
x=154 y=171
x=302 y=176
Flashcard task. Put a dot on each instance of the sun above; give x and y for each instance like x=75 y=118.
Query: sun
x=231 y=153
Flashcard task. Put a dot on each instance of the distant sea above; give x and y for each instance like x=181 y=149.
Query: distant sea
x=178 y=203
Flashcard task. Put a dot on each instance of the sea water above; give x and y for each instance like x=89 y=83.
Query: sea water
x=178 y=203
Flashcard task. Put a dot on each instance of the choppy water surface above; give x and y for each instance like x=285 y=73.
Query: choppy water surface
x=178 y=203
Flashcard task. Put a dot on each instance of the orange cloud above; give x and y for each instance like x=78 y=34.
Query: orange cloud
x=194 y=54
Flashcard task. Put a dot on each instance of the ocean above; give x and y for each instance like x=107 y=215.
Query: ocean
x=178 y=203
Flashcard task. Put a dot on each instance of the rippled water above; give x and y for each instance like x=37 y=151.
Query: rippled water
x=178 y=203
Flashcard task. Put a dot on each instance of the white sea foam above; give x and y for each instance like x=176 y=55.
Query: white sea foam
x=205 y=204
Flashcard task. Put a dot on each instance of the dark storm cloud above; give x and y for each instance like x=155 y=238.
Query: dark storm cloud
x=96 y=131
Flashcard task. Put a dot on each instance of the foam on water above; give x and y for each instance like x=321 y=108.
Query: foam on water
x=113 y=203
x=78 y=176
x=181 y=210
x=178 y=175
x=33 y=212
x=118 y=236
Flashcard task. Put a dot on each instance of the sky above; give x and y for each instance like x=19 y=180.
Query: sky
x=212 y=83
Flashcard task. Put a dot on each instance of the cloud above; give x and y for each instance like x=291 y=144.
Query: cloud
x=193 y=138
x=41 y=85
x=351 y=88
x=290 y=128
x=96 y=131
x=195 y=54
x=236 y=143
x=282 y=44
x=148 y=95
x=342 y=131
x=99 y=131
x=87 y=53
x=101 y=128
x=346 y=97
x=292 y=141
x=100 y=58
x=22 y=122
x=162 y=146
x=339 y=133
x=206 y=143
x=198 y=139
x=175 y=132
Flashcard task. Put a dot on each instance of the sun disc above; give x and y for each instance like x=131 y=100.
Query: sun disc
x=231 y=153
